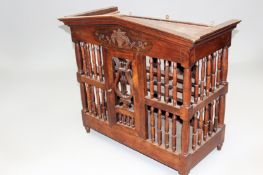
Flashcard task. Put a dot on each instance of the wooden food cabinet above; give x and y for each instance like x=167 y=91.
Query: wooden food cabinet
x=157 y=86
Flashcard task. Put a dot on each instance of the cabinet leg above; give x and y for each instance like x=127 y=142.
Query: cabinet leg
x=219 y=147
x=87 y=129
x=183 y=172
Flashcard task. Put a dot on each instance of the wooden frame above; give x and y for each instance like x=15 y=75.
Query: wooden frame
x=151 y=85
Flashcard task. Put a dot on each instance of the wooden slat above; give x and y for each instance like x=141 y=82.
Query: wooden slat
x=90 y=81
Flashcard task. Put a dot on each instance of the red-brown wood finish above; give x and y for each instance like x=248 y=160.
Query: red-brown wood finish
x=151 y=84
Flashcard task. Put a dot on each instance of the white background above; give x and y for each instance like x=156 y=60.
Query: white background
x=40 y=121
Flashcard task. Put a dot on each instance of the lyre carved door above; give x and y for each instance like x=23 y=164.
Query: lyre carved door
x=125 y=78
x=125 y=82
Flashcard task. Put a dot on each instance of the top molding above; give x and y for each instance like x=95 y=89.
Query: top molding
x=185 y=32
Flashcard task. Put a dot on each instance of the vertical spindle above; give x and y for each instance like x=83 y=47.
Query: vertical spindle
x=94 y=66
x=159 y=79
x=200 y=126
x=103 y=107
x=151 y=78
x=222 y=98
x=166 y=130
x=202 y=79
x=196 y=86
x=152 y=125
x=216 y=115
x=83 y=54
x=208 y=75
x=98 y=51
x=194 y=138
x=206 y=117
x=218 y=76
x=174 y=83
x=211 y=116
x=213 y=78
x=78 y=57
x=166 y=80
x=186 y=104
x=87 y=71
x=98 y=102
x=174 y=133
x=159 y=127
x=88 y=60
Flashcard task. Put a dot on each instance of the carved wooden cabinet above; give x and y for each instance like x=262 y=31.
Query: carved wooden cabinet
x=157 y=86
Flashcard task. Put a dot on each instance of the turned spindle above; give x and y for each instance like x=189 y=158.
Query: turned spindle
x=194 y=137
x=206 y=118
x=218 y=75
x=216 y=114
x=159 y=79
x=166 y=130
x=78 y=57
x=166 y=81
x=152 y=125
x=94 y=66
x=151 y=78
x=222 y=99
x=196 y=85
x=98 y=103
x=202 y=79
x=200 y=126
x=174 y=83
x=211 y=119
x=186 y=104
x=213 y=76
x=208 y=75
x=174 y=133
x=159 y=127
x=98 y=53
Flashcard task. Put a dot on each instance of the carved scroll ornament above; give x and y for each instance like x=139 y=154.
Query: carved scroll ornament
x=119 y=39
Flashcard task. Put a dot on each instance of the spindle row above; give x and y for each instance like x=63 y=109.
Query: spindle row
x=125 y=120
x=89 y=62
x=163 y=81
x=204 y=123
x=207 y=75
x=92 y=61
x=163 y=128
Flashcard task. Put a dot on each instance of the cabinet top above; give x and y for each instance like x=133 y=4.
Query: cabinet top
x=189 y=32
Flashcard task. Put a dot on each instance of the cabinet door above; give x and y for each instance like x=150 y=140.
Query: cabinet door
x=125 y=85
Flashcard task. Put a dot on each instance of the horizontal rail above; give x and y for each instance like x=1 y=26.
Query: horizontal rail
x=83 y=78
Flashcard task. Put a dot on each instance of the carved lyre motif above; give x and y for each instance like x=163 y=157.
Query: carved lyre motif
x=123 y=79
x=120 y=39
